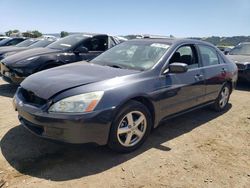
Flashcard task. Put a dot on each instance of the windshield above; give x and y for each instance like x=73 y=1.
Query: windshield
x=4 y=41
x=26 y=43
x=42 y=43
x=241 y=49
x=67 y=42
x=136 y=55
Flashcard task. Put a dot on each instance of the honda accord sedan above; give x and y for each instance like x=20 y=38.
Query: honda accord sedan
x=73 y=48
x=121 y=95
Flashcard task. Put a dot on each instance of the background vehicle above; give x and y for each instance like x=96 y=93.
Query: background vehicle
x=225 y=49
x=70 y=49
x=120 y=39
x=3 y=37
x=122 y=94
x=11 y=41
x=27 y=44
x=241 y=56
x=141 y=36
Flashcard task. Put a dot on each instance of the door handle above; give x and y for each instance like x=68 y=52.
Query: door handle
x=198 y=77
x=223 y=71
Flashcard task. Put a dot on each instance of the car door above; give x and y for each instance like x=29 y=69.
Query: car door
x=181 y=91
x=95 y=45
x=215 y=71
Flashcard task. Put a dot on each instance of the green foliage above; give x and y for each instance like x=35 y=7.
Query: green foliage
x=64 y=34
x=8 y=33
x=32 y=34
x=36 y=34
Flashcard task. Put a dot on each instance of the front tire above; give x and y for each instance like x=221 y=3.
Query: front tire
x=221 y=102
x=130 y=128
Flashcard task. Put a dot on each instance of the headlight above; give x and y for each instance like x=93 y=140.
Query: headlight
x=19 y=71
x=78 y=103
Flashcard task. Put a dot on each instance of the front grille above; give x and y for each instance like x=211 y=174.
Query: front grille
x=241 y=66
x=31 y=98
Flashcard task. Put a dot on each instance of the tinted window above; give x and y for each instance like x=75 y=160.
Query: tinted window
x=26 y=43
x=96 y=44
x=42 y=43
x=67 y=42
x=4 y=41
x=186 y=54
x=208 y=55
x=14 y=41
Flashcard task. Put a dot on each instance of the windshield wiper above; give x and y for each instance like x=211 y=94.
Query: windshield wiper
x=115 y=66
x=124 y=67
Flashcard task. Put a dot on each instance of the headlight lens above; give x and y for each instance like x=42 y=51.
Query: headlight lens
x=78 y=103
x=19 y=70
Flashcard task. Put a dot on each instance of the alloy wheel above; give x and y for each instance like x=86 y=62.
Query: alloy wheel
x=131 y=128
x=224 y=97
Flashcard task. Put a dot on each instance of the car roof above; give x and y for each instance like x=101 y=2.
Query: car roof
x=88 y=34
x=244 y=43
x=173 y=41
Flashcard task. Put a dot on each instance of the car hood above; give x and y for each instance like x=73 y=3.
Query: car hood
x=10 y=49
x=12 y=59
x=239 y=59
x=47 y=83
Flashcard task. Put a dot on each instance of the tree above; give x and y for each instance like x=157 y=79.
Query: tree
x=8 y=33
x=64 y=34
x=36 y=33
x=32 y=34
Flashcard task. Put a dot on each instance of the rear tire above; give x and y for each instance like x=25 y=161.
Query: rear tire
x=221 y=102
x=130 y=127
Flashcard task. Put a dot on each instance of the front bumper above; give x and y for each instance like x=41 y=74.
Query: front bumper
x=244 y=72
x=79 y=128
x=10 y=76
x=244 y=75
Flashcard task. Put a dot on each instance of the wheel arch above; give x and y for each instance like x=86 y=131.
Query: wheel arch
x=143 y=100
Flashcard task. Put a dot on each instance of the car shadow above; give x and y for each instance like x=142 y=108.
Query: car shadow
x=40 y=158
x=8 y=90
x=243 y=86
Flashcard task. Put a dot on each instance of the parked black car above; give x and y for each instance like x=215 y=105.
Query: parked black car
x=11 y=41
x=241 y=56
x=70 y=49
x=15 y=48
x=3 y=37
x=25 y=45
x=119 y=96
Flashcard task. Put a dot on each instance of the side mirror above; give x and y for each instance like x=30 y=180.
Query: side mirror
x=81 y=49
x=178 y=67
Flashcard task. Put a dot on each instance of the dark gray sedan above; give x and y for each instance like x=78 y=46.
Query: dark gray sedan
x=121 y=95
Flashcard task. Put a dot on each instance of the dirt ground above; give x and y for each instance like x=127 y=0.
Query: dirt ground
x=199 y=149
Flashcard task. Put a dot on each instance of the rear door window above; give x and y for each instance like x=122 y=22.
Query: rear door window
x=209 y=55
